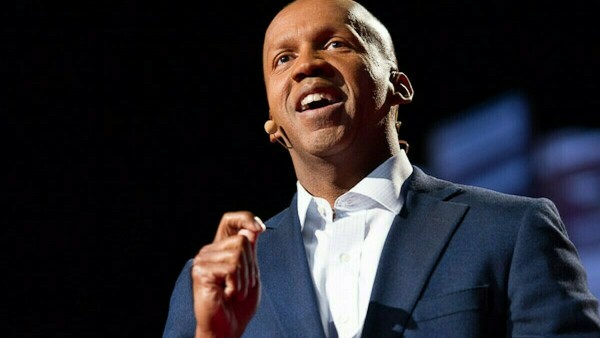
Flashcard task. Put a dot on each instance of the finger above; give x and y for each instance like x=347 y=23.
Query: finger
x=231 y=285
x=232 y=222
x=250 y=235
x=260 y=223
x=213 y=267
x=215 y=279
x=246 y=272
x=230 y=264
x=207 y=285
x=253 y=235
x=253 y=270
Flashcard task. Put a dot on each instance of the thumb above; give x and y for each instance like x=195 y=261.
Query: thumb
x=232 y=224
x=251 y=234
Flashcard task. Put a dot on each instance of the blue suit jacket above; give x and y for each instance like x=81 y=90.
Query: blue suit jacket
x=459 y=261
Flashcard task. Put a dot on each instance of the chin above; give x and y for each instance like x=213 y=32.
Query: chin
x=327 y=143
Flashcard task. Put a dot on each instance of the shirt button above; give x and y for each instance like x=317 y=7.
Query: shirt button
x=344 y=258
x=345 y=319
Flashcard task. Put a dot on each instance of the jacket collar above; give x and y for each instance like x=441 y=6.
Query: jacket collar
x=416 y=240
x=289 y=287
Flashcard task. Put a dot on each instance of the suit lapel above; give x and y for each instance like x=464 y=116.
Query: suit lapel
x=288 y=284
x=416 y=240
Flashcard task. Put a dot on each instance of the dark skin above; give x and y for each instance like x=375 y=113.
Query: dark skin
x=313 y=51
x=225 y=278
x=313 y=45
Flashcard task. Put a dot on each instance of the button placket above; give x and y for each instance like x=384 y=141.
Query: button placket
x=342 y=280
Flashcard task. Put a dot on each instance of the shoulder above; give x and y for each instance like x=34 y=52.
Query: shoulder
x=484 y=200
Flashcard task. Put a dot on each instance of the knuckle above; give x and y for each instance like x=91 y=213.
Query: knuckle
x=231 y=215
x=233 y=257
x=238 y=241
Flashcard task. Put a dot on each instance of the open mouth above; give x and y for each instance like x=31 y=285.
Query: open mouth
x=316 y=100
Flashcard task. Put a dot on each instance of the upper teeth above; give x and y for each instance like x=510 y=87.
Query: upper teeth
x=310 y=98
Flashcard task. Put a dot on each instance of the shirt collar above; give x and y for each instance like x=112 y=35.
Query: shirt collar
x=382 y=185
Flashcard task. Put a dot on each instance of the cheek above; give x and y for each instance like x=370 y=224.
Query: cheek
x=378 y=88
x=276 y=95
x=366 y=78
x=375 y=79
x=368 y=91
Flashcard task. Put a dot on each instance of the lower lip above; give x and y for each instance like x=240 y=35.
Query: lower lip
x=320 y=113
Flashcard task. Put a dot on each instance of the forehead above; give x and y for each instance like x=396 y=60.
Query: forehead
x=306 y=16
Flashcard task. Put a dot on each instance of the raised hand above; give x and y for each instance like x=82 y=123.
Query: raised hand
x=226 y=284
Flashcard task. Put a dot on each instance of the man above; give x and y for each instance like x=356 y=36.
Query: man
x=371 y=246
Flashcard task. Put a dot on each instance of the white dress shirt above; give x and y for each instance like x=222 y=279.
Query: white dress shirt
x=343 y=244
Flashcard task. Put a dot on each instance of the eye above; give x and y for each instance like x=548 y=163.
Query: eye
x=335 y=44
x=283 y=59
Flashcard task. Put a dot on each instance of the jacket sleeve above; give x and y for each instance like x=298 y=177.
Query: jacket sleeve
x=181 y=322
x=547 y=284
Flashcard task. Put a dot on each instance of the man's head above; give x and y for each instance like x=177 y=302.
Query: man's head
x=331 y=77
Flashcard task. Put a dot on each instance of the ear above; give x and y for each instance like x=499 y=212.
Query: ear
x=403 y=90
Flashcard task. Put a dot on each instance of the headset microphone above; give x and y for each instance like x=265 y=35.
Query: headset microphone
x=271 y=128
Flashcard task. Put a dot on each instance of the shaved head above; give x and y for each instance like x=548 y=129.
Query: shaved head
x=368 y=27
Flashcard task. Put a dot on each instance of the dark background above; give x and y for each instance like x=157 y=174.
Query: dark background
x=139 y=123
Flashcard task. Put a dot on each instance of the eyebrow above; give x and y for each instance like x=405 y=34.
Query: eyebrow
x=287 y=39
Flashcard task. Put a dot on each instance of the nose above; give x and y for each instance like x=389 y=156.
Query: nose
x=311 y=64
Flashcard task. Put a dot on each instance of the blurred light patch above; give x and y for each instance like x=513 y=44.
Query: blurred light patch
x=567 y=168
x=487 y=146
x=491 y=146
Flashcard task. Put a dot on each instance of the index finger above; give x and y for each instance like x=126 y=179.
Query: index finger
x=239 y=223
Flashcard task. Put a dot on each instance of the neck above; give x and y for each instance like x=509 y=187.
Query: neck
x=331 y=177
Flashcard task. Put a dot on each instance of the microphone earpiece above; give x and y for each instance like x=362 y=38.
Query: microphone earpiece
x=271 y=127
